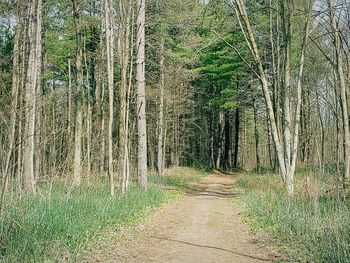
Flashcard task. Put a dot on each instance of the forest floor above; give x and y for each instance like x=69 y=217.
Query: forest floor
x=203 y=226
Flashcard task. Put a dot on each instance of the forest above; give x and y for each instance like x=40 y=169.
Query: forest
x=174 y=131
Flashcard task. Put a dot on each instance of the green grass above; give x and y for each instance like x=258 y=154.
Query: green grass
x=62 y=222
x=179 y=177
x=314 y=225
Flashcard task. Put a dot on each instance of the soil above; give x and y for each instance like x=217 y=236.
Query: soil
x=204 y=226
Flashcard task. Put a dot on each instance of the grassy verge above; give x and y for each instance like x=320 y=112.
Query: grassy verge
x=313 y=226
x=60 y=222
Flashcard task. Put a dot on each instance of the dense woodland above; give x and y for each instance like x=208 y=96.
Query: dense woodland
x=90 y=88
x=121 y=89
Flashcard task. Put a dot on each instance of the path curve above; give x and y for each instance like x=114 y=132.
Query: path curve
x=203 y=227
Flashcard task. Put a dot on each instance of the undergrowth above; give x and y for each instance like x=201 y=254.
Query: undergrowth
x=314 y=225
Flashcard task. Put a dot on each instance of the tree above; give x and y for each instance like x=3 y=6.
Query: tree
x=77 y=13
x=286 y=148
x=160 y=151
x=343 y=87
x=141 y=97
x=34 y=13
x=110 y=76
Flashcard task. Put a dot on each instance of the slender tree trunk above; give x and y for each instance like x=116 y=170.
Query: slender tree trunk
x=322 y=132
x=69 y=102
x=160 y=158
x=103 y=142
x=77 y=11
x=141 y=97
x=88 y=141
x=286 y=14
x=226 y=163
x=126 y=165
x=88 y=118
x=256 y=133
x=295 y=142
x=110 y=77
x=34 y=34
x=220 y=139
x=126 y=7
x=237 y=142
x=270 y=146
x=338 y=126
x=38 y=91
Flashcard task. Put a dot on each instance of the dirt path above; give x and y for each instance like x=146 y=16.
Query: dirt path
x=203 y=227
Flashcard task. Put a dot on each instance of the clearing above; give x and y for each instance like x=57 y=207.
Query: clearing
x=204 y=226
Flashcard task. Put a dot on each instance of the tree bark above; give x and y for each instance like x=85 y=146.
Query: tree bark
x=237 y=130
x=77 y=12
x=110 y=77
x=160 y=162
x=256 y=135
x=34 y=10
x=141 y=96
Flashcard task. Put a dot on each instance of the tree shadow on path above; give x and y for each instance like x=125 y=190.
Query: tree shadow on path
x=211 y=247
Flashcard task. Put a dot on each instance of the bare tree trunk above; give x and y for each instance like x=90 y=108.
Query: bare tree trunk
x=38 y=89
x=294 y=149
x=164 y=144
x=125 y=9
x=338 y=126
x=69 y=101
x=88 y=118
x=34 y=33
x=19 y=173
x=88 y=146
x=256 y=133
x=110 y=77
x=286 y=14
x=141 y=98
x=160 y=161
x=237 y=141
x=226 y=156
x=221 y=139
x=126 y=166
x=103 y=142
x=322 y=132
x=78 y=10
x=270 y=146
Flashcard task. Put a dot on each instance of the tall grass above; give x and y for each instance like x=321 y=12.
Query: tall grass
x=59 y=223
x=315 y=224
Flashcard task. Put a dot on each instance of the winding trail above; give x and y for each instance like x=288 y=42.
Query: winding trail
x=203 y=227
